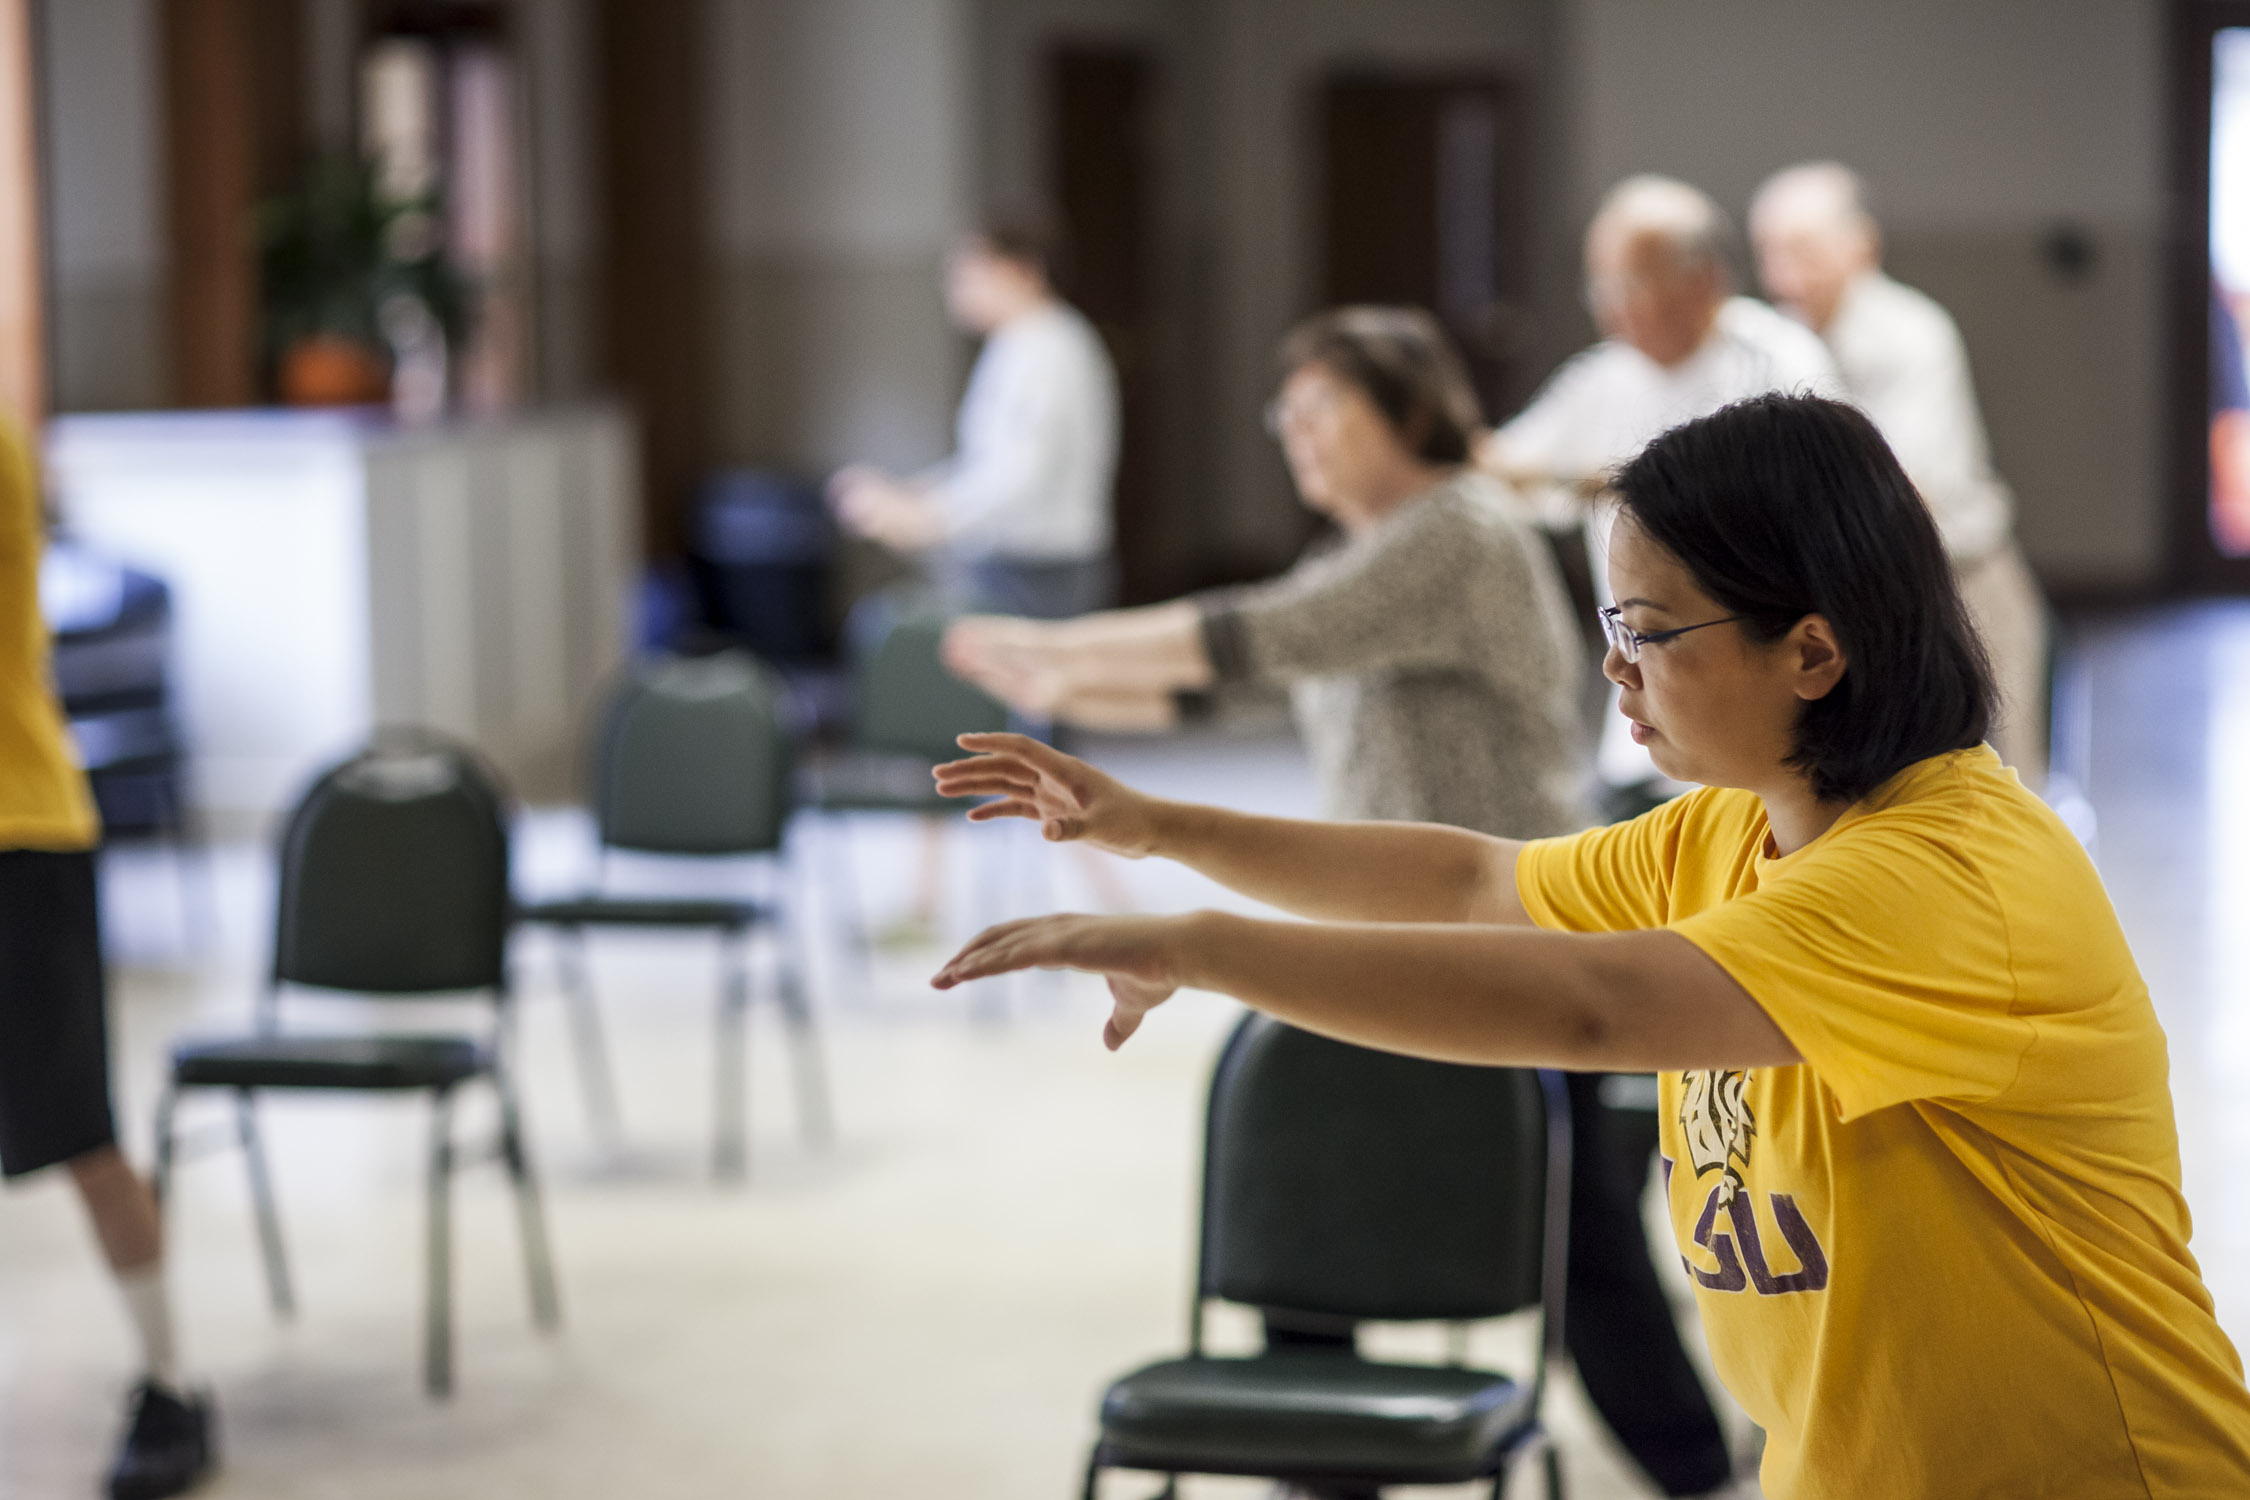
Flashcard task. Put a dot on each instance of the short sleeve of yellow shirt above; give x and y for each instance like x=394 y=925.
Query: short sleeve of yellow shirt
x=1947 y=1254
x=44 y=803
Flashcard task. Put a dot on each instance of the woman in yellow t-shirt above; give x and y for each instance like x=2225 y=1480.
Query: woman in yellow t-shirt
x=1917 y=1132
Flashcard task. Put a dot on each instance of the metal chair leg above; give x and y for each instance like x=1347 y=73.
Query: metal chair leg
x=814 y=1115
x=1093 y=1475
x=437 y=1349
x=1554 y=1470
x=730 y=1146
x=262 y=1201
x=596 y=1080
x=160 y=1177
x=847 y=923
x=531 y=1219
x=989 y=999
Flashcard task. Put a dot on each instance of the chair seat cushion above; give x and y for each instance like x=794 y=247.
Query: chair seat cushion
x=863 y=781
x=645 y=911
x=1311 y=1413
x=329 y=1062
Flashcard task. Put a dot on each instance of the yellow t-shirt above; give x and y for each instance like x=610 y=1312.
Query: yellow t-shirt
x=44 y=803
x=1945 y=1256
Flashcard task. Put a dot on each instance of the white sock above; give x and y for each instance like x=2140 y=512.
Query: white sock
x=151 y=1310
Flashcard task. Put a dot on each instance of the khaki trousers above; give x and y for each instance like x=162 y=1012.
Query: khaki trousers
x=2010 y=613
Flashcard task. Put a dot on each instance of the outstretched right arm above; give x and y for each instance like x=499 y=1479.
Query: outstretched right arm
x=1354 y=872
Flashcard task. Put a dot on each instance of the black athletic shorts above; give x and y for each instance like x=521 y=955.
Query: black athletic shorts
x=54 y=1038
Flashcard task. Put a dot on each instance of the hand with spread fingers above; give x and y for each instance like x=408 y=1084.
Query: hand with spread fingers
x=1135 y=954
x=1067 y=798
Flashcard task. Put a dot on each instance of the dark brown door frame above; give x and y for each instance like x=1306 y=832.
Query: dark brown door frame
x=2195 y=563
x=655 y=279
x=1489 y=337
x=1103 y=101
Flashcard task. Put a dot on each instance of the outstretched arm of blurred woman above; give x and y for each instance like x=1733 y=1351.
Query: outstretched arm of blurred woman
x=1112 y=670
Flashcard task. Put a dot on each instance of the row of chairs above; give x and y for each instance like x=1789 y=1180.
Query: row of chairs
x=1340 y=1184
x=394 y=881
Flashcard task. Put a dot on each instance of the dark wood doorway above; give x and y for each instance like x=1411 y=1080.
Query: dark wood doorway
x=1102 y=131
x=2207 y=416
x=1422 y=202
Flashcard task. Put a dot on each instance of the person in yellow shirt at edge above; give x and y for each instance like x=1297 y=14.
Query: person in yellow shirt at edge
x=54 y=1047
x=1918 y=1143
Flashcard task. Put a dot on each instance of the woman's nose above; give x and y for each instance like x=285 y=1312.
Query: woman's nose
x=1620 y=671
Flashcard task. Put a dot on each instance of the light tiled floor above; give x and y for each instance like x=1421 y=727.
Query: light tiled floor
x=931 y=1308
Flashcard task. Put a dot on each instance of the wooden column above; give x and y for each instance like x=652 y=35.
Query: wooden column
x=655 y=285
x=23 y=347
x=233 y=128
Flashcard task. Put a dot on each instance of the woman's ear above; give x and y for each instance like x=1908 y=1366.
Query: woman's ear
x=1816 y=656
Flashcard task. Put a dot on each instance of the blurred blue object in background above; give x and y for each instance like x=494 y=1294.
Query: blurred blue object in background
x=761 y=546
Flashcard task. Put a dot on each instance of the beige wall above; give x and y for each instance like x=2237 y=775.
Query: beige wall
x=852 y=138
x=842 y=137
x=1266 y=57
x=1979 y=127
x=105 y=273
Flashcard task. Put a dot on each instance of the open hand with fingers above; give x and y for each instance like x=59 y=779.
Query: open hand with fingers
x=1014 y=660
x=1137 y=955
x=1066 y=797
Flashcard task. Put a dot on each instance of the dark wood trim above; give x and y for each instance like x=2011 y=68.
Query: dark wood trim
x=233 y=129
x=655 y=280
x=2195 y=563
x=23 y=339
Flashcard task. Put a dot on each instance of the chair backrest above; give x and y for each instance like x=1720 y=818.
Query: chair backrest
x=394 y=875
x=905 y=701
x=1351 y=1183
x=694 y=755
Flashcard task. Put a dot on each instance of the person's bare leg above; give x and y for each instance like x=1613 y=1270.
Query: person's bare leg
x=122 y=1208
x=131 y=1231
x=168 y=1445
x=917 y=926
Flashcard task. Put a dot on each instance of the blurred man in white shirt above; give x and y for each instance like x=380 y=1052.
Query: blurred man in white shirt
x=1903 y=362
x=1677 y=344
x=1018 y=520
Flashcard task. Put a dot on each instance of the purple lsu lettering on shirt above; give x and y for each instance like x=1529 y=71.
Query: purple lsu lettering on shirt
x=1740 y=1251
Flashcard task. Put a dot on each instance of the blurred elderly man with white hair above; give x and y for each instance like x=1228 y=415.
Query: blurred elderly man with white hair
x=1903 y=362
x=1676 y=345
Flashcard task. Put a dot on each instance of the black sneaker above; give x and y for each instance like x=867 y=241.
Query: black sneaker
x=167 y=1449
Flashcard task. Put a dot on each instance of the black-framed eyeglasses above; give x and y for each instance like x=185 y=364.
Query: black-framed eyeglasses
x=1627 y=642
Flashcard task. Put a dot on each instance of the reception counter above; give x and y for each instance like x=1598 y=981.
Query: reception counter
x=333 y=573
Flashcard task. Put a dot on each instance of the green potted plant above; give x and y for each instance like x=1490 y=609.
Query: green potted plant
x=340 y=264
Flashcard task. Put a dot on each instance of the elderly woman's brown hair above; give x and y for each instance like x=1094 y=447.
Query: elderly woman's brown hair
x=1401 y=360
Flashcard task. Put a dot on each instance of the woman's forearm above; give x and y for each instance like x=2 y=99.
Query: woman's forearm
x=1628 y=1001
x=1156 y=648
x=1148 y=711
x=1350 y=872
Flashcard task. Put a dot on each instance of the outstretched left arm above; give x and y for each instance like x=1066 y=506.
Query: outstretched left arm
x=1622 y=1001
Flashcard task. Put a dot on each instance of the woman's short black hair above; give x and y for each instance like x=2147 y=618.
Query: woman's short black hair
x=1402 y=361
x=1786 y=506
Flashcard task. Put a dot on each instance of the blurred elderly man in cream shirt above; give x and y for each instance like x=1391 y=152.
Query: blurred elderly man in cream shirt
x=1903 y=362
x=1676 y=344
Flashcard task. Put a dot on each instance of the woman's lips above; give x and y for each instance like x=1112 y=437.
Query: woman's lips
x=1642 y=734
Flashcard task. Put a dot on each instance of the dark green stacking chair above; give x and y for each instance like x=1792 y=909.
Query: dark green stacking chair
x=393 y=885
x=694 y=757
x=1344 y=1185
x=906 y=710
